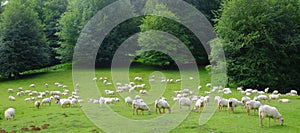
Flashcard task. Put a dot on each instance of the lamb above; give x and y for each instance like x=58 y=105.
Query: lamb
x=162 y=104
x=183 y=101
x=9 y=113
x=128 y=100
x=11 y=98
x=252 y=105
x=271 y=112
x=284 y=100
x=37 y=104
x=47 y=100
x=139 y=105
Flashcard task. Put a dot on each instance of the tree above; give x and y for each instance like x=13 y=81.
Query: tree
x=261 y=42
x=172 y=27
x=22 y=42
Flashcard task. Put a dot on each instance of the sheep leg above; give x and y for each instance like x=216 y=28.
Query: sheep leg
x=261 y=121
x=169 y=110
x=137 y=111
x=133 y=111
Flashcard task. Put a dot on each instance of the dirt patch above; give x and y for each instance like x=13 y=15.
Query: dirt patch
x=2 y=131
x=14 y=131
x=35 y=129
x=94 y=131
x=45 y=126
x=24 y=129
x=65 y=114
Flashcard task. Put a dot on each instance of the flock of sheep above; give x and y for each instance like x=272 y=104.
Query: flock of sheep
x=185 y=97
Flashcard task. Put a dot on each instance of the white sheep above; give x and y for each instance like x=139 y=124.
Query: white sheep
x=139 y=105
x=128 y=100
x=294 y=92
x=138 y=78
x=9 y=113
x=274 y=96
x=10 y=90
x=239 y=88
x=275 y=92
x=252 y=105
x=267 y=90
x=233 y=102
x=137 y=97
x=46 y=85
x=183 y=101
x=162 y=104
x=270 y=112
x=20 y=89
x=37 y=104
x=143 y=92
x=208 y=85
x=199 y=104
x=245 y=99
x=47 y=100
x=64 y=102
x=222 y=102
x=142 y=86
x=284 y=100
x=11 y=98
x=32 y=85
x=109 y=92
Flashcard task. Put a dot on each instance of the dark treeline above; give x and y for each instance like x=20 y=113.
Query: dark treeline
x=260 y=38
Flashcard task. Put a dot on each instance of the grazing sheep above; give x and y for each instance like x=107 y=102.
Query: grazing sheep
x=208 y=85
x=142 y=86
x=29 y=99
x=10 y=90
x=199 y=104
x=239 y=88
x=32 y=85
x=20 y=89
x=47 y=100
x=284 y=100
x=271 y=112
x=46 y=85
x=178 y=80
x=294 y=92
x=183 y=101
x=245 y=99
x=37 y=104
x=138 y=78
x=9 y=113
x=137 y=97
x=275 y=92
x=95 y=78
x=162 y=104
x=11 y=98
x=109 y=92
x=143 y=92
x=233 y=102
x=139 y=105
x=222 y=102
x=274 y=96
x=128 y=100
x=252 y=105
x=64 y=102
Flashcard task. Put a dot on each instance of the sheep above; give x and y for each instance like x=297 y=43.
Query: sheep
x=109 y=92
x=162 y=104
x=37 y=104
x=208 y=85
x=294 y=92
x=267 y=90
x=252 y=105
x=143 y=92
x=232 y=103
x=183 y=101
x=32 y=85
x=261 y=97
x=20 y=89
x=64 y=102
x=138 y=78
x=94 y=79
x=199 y=104
x=271 y=112
x=10 y=90
x=222 y=102
x=46 y=85
x=245 y=99
x=194 y=98
x=29 y=99
x=11 y=98
x=284 y=100
x=47 y=100
x=137 y=97
x=199 y=87
x=55 y=93
x=128 y=100
x=275 y=92
x=178 y=80
x=139 y=105
x=239 y=88
x=142 y=86
x=274 y=96
x=9 y=113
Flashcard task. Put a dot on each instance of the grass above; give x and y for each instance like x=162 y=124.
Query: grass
x=74 y=119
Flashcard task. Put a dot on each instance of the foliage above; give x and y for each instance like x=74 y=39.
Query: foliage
x=261 y=42
x=152 y=40
x=22 y=43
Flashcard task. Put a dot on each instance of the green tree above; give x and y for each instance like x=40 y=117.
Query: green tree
x=22 y=42
x=261 y=42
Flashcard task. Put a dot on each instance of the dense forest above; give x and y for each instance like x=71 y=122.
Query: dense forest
x=261 y=39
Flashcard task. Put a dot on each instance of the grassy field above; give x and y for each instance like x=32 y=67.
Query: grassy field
x=74 y=120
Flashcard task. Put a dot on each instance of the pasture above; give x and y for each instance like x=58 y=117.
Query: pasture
x=54 y=118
